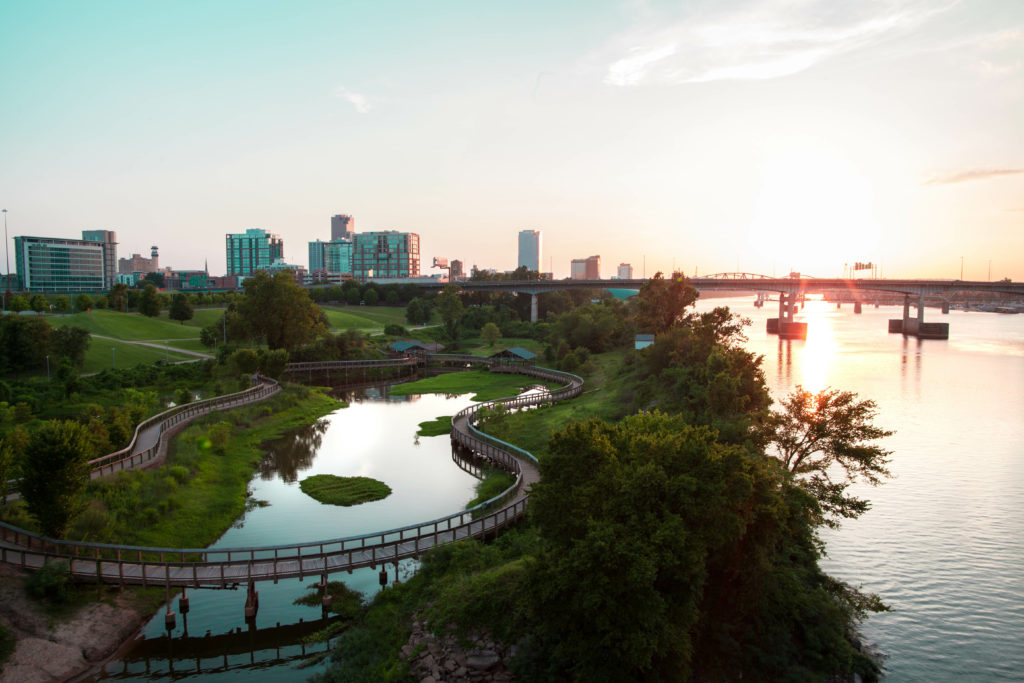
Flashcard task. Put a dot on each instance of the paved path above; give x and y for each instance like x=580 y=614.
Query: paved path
x=154 y=343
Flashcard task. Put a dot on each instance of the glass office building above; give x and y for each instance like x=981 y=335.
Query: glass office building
x=66 y=266
x=252 y=250
x=333 y=258
x=385 y=254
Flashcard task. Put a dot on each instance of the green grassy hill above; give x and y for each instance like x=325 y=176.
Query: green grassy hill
x=129 y=326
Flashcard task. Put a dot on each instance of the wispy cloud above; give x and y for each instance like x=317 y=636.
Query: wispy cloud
x=360 y=102
x=756 y=39
x=948 y=178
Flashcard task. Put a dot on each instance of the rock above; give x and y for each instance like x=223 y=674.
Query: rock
x=482 y=660
x=428 y=679
x=36 y=659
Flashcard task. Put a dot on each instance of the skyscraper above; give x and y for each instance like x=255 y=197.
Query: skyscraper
x=252 y=250
x=385 y=254
x=625 y=271
x=343 y=227
x=333 y=258
x=529 y=249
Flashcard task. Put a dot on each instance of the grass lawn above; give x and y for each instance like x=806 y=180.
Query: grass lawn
x=99 y=356
x=364 y=317
x=128 y=326
x=189 y=345
x=485 y=385
x=603 y=396
x=201 y=317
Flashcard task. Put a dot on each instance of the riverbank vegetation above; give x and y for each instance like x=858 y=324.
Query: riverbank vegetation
x=668 y=538
x=346 y=491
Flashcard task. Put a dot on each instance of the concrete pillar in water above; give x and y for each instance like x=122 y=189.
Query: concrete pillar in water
x=252 y=601
x=169 y=618
x=857 y=307
x=945 y=308
x=533 y=308
x=920 y=311
x=906 y=308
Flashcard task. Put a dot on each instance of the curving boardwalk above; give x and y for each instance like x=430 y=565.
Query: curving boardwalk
x=193 y=567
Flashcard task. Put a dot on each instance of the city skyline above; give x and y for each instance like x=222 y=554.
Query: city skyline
x=747 y=136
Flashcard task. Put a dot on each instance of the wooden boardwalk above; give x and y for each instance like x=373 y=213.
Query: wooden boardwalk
x=179 y=567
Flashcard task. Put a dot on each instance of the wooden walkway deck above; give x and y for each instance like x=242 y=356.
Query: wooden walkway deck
x=179 y=567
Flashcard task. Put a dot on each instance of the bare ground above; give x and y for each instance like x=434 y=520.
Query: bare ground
x=50 y=651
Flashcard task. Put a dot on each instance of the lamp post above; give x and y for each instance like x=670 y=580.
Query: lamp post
x=113 y=359
x=47 y=368
x=7 y=272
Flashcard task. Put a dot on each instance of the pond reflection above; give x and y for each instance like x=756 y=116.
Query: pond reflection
x=287 y=456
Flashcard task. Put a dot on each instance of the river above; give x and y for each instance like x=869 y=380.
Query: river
x=941 y=544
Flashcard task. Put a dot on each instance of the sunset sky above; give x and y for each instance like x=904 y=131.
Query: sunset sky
x=715 y=135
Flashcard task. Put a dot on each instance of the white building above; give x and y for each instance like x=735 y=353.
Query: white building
x=625 y=271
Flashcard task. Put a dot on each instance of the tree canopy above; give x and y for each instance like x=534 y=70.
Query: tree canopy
x=55 y=470
x=277 y=309
x=663 y=303
x=826 y=441
x=181 y=308
x=449 y=305
x=149 y=301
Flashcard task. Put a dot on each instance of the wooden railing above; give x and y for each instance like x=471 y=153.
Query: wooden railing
x=127 y=458
x=316 y=366
x=122 y=564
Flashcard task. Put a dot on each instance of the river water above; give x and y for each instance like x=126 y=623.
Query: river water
x=941 y=544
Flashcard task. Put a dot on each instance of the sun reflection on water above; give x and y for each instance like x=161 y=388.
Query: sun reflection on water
x=820 y=348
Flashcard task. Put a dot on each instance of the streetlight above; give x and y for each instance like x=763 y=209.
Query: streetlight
x=7 y=273
x=47 y=368
x=113 y=359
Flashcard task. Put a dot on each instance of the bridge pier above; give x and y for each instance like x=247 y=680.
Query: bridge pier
x=917 y=327
x=252 y=601
x=533 y=307
x=784 y=325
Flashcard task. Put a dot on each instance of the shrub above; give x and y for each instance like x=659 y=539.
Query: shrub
x=50 y=582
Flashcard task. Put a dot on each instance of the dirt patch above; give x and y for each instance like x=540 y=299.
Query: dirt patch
x=47 y=650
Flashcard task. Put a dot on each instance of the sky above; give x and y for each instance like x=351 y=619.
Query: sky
x=763 y=136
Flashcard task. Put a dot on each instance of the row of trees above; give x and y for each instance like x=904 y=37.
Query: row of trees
x=26 y=343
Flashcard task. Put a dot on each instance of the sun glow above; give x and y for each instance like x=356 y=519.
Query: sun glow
x=820 y=348
x=813 y=213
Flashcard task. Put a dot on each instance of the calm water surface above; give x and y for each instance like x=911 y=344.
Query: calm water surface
x=941 y=544
x=374 y=437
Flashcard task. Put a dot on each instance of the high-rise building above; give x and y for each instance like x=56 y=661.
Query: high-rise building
x=333 y=258
x=530 y=249
x=586 y=268
x=343 y=227
x=252 y=250
x=108 y=238
x=625 y=271
x=385 y=254
x=54 y=264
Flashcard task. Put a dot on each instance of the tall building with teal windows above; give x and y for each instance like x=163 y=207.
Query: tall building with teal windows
x=333 y=258
x=58 y=265
x=385 y=254
x=252 y=250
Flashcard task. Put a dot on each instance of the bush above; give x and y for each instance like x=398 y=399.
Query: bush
x=395 y=330
x=50 y=583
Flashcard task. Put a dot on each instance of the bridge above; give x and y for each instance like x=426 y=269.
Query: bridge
x=789 y=288
x=224 y=567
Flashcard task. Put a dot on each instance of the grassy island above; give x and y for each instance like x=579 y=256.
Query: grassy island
x=335 y=490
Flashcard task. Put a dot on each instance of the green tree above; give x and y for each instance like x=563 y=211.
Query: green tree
x=55 y=470
x=118 y=297
x=61 y=304
x=418 y=312
x=71 y=343
x=273 y=363
x=17 y=303
x=181 y=308
x=155 y=279
x=83 y=302
x=628 y=537
x=277 y=309
x=149 y=301
x=826 y=441
x=371 y=296
x=663 y=303
x=39 y=303
x=449 y=304
x=490 y=334
x=244 y=361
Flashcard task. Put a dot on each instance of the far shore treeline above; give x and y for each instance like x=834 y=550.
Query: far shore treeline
x=674 y=534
